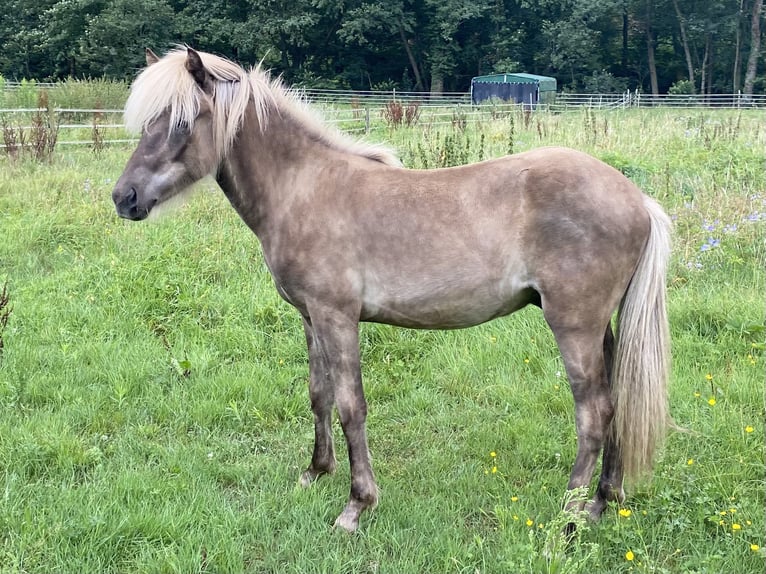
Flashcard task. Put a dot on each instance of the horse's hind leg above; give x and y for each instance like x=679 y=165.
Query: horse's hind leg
x=322 y=400
x=610 y=483
x=580 y=344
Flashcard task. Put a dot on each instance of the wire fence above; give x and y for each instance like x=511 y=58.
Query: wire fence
x=562 y=101
x=366 y=111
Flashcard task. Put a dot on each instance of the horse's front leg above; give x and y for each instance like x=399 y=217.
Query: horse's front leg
x=337 y=336
x=322 y=400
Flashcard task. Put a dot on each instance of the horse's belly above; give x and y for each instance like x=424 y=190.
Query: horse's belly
x=444 y=306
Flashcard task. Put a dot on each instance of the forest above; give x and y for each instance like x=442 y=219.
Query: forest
x=656 y=46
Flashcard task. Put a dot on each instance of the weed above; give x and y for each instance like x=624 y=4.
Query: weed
x=393 y=114
x=459 y=119
x=97 y=133
x=526 y=116
x=396 y=115
x=182 y=367
x=14 y=138
x=412 y=113
x=5 y=314
x=45 y=129
x=511 y=134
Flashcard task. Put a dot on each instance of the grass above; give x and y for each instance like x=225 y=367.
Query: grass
x=154 y=415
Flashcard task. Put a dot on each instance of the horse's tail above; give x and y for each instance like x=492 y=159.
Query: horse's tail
x=642 y=356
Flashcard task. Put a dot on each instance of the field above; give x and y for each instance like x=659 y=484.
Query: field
x=154 y=415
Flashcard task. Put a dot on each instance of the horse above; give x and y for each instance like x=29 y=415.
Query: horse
x=349 y=235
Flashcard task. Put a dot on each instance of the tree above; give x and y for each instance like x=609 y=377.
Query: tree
x=66 y=27
x=685 y=42
x=755 y=47
x=375 y=24
x=425 y=44
x=117 y=35
x=215 y=24
x=446 y=24
x=650 y=45
x=23 y=41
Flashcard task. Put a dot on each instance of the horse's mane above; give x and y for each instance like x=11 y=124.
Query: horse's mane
x=167 y=84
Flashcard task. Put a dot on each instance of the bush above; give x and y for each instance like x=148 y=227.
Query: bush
x=604 y=82
x=681 y=87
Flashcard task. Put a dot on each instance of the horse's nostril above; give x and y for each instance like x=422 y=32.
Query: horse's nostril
x=132 y=197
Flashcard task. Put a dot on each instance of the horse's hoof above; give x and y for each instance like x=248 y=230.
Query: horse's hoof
x=308 y=477
x=595 y=508
x=311 y=475
x=348 y=521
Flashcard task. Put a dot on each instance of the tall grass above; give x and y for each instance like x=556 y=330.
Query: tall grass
x=154 y=415
x=70 y=94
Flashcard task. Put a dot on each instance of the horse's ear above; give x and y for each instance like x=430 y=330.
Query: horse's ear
x=151 y=57
x=197 y=69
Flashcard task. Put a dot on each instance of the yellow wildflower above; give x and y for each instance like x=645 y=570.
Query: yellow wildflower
x=755 y=547
x=625 y=512
x=514 y=498
x=629 y=556
x=736 y=526
x=749 y=429
x=493 y=454
x=711 y=401
x=530 y=522
x=690 y=461
x=709 y=377
x=494 y=470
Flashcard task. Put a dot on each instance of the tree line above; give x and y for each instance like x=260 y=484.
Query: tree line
x=682 y=46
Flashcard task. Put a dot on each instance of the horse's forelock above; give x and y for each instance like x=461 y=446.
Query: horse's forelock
x=163 y=85
x=168 y=85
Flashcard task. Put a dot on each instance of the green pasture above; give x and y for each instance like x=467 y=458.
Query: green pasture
x=154 y=415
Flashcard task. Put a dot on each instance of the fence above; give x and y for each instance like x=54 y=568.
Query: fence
x=363 y=111
x=636 y=99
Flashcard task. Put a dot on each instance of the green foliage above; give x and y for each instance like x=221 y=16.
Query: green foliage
x=681 y=87
x=431 y=44
x=154 y=414
x=603 y=82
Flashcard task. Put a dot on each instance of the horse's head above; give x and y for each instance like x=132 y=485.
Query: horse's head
x=176 y=147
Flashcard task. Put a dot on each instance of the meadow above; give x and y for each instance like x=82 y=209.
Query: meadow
x=154 y=413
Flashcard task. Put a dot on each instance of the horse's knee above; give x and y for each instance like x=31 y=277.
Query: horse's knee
x=352 y=410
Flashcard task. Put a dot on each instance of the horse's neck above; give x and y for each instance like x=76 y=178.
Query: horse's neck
x=264 y=168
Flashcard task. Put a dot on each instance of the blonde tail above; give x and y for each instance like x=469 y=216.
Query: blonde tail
x=642 y=356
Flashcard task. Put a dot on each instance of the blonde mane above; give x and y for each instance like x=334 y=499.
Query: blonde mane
x=167 y=85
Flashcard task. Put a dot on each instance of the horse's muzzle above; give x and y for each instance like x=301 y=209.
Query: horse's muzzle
x=128 y=206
